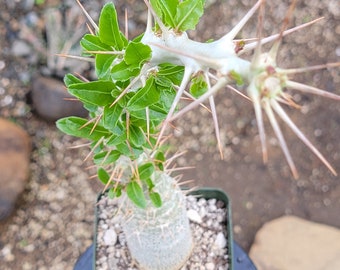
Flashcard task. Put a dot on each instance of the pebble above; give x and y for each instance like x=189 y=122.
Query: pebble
x=210 y=266
x=20 y=48
x=51 y=101
x=202 y=212
x=15 y=148
x=220 y=240
x=2 y=64
x=110 y=237
x=194 y=216
x=6 y=253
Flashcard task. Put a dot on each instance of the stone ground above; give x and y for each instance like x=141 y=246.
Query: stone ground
x=53 y=222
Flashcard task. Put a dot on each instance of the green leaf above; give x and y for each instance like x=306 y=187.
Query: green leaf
x=125 y=150
x=136 y=136
x=144 y=97
x=136 y=194
x=166 y=99
x=103 y=176
x=75 y=126
x=96 y=92
x=172 y=73
x=146 y=170
x=116 y=139
x=106 y=157
x=159 y=160
x=92 y=43
x=123 y=72
x=156 y=199
x=188 y=14
x=154 y=115
x=111 y=193
x=103 y=65
x=166 y=10
x=123 y=100
x=149 y=183
x=236 y=77
x=111 y=116
x=109 y=32
x=198 y=86
x=115 y=192
x=136 y=54
x=90 y=107
x=71 y=79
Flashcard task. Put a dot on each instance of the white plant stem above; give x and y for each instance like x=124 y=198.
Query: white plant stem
x=159 y=238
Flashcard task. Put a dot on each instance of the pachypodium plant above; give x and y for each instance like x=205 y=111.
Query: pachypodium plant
x=136 y=96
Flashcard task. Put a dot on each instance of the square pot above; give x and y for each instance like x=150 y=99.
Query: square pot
x=206 y=193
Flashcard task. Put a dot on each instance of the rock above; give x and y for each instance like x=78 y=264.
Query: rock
x=21 y=48
x=15 y=149
x=220 y=241
x=6 y=253
x=293 y=243
x=51 y=100
x=210 y=266
x=194 y=216
x=110 y=237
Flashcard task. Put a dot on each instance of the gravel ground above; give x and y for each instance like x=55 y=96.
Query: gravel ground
x=53 y=223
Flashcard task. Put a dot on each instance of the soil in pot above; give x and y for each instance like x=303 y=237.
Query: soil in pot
x=208 y=225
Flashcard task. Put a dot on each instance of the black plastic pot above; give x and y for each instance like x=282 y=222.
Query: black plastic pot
x=213 y=193
x=238 y=259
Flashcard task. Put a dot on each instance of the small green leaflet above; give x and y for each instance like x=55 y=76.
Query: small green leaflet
x=198 y=86
x=146 y=170
x=136 y=194
x=79 y=127
x=179 y=15
x=155 y=198
x=96 y=92
x=111 y=193
x=154 y=116
x=171 y=72
x=129 y=151
x=166 y=10
x=111 y=116
x=103 y=65
x=123 y=72
x=149 y=183
x=92 y=43
x=136 y=136
x=236 y=77
x=188 y=14
x=103 y=176
x=145 y=96
x=109 y=32
x=115 y=192
x=117 y=138
x=90 y=107
x=136 y=54
x=71 y=79
x=106 y=157
x=159 y=160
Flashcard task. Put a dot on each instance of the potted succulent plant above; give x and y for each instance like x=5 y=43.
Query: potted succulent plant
x=136 y=97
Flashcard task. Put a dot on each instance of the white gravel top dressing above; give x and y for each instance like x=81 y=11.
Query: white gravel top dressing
x=207 y=222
